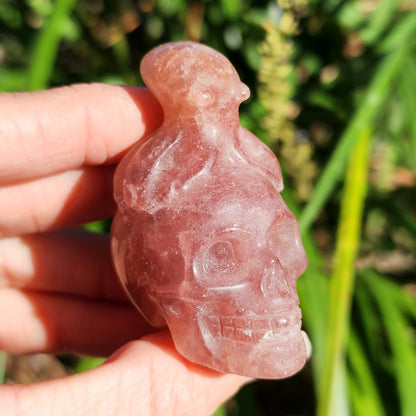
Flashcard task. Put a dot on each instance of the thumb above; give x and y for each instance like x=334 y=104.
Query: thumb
x=146 y=377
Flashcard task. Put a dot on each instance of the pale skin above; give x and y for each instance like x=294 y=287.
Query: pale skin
x=58 y=289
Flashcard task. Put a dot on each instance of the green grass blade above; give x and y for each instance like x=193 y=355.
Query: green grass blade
x=380 y=20
x=12 y=80
x=369 y=318
x=220 y=411
x=231 y=8
x=122 y=55
x=46 y=46
x=403 y=32
x=399 y=336
x=408 y=98
x=365 y=399
x=247 y=401
x=405 y=358
x=3 y=359
x=342 y=280
x=88 y=363
x=313 y=295
x=405 y=300
x=100 y=226
x=371 y=103
x=313 y=292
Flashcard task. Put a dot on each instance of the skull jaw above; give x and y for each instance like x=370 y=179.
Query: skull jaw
x=275 y=355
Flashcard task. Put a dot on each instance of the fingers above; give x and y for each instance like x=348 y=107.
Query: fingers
x=33 y=322
x=63 y=200
x=73 y=262
x=65 y=128
x=145 y=377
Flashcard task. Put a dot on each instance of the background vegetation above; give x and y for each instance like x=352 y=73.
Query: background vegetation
x=334 y=94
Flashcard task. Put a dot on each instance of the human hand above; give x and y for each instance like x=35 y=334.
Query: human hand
x=58 y=290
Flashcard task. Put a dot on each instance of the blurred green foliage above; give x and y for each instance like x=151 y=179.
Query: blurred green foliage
x=348 y=72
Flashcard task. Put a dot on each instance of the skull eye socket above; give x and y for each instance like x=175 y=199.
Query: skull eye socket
x=222 y=262
x=219 y=257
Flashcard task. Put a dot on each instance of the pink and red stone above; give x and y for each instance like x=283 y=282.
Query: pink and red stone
x=202 y=240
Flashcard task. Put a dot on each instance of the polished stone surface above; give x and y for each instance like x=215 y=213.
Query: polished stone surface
x=202 y=240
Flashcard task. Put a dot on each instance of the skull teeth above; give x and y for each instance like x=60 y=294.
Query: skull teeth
x=253 y=328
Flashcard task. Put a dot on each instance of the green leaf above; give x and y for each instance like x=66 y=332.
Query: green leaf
x=220 y=411
x=88 y=363
x=365 y=398
x=407 y=88
x=3 y=359
x=327 y=101
x=402 y=33
x=383 y=15
x=231 y=8
x=402 y=345
x=171 y=7
x=330 y=389
x=12 y=80
x=46 y=46
x=101 y=226
x=372 y=101
x=313 y=291
x=313 y=294
x=41 y=7
x=350 y=16
x=10 y=16
x=372 y=325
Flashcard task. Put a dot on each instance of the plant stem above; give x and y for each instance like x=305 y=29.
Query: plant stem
x=46 y=46
x=342 y=280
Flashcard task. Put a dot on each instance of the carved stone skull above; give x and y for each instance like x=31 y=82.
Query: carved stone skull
x=202 y=240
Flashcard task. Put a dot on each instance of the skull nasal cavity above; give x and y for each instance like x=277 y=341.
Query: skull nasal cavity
x=274 y=282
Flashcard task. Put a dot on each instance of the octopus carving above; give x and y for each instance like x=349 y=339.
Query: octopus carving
x=202 y=240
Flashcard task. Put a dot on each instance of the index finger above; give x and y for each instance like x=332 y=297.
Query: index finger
x=64 y=128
